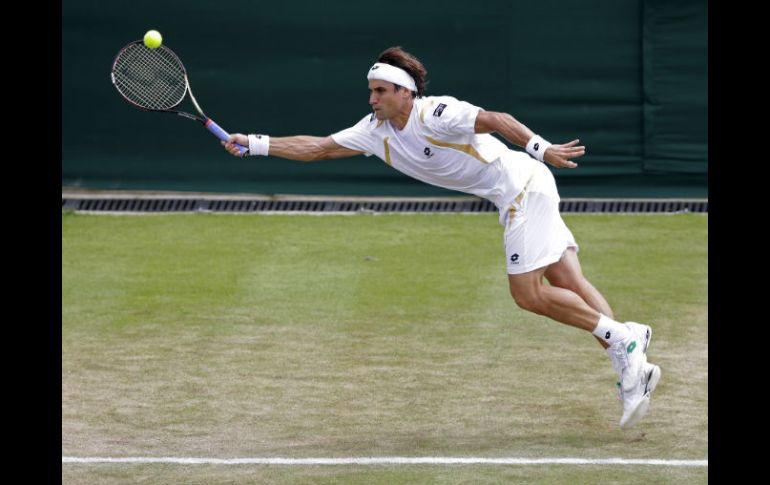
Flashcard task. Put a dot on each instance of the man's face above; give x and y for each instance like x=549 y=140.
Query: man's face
x=385 y=100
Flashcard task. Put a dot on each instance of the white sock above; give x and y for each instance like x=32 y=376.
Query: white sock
x=609 y=330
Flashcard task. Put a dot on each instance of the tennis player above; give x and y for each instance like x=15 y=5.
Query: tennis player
x=447 y=142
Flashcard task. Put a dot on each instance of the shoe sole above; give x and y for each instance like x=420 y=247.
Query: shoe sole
x=644 y=403
x=638 y=412
x=652 y=380
x=649 y=339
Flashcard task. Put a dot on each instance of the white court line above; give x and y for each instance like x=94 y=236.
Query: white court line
x=385 y=460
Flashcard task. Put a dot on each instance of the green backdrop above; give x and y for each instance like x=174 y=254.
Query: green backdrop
x=628 y=78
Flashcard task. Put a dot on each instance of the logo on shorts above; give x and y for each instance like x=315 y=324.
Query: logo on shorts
x=607 y=335
x=439 y=109
x=515 y=259
x=427 y=152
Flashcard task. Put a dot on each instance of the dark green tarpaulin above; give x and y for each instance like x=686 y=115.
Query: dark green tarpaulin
x=675 y=60
x=627 y=78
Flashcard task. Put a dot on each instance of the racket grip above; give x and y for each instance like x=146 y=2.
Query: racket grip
x=223 y=135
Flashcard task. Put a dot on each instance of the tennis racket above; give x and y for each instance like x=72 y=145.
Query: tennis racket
x=156 y=80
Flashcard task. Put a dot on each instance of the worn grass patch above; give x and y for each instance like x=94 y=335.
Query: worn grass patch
x=243 y=336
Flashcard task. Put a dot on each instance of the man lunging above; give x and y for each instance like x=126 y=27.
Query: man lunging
x=448 y=143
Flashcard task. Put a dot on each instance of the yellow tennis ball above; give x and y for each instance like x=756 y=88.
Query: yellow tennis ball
x=153 y=39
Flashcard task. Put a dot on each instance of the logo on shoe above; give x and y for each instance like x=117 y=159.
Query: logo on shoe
x=607 y=335
x=631 y=347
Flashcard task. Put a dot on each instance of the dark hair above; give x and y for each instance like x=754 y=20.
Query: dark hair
x=396 y=56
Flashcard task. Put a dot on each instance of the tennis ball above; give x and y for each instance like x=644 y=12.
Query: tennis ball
x=153 y=39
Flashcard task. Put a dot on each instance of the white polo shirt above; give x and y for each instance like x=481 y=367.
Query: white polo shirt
x=438 y=146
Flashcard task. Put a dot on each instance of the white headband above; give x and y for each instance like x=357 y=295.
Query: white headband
x=393 y=74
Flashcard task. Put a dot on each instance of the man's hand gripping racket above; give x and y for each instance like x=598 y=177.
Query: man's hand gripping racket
x=156 y=80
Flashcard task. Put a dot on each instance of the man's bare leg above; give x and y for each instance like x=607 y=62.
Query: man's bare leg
x=637 y=378
x=560 y=304
x=567 y=273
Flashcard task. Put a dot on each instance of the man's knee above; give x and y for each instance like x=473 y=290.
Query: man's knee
x=527 y=300
x=576 y=284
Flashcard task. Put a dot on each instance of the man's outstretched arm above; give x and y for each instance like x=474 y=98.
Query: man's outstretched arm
x=517 y=133
x=303 y=148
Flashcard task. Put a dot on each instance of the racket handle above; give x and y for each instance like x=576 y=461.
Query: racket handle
x=222 y=134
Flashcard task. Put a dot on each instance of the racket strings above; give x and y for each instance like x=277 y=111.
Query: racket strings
x=151 y=78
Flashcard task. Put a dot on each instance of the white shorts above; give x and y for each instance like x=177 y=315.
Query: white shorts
x=535 y=234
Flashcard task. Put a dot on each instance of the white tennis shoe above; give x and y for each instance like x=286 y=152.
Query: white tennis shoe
x=643 y=332
x=638 y=378
x=637 y=402
x=651 y=371
x=627 y=357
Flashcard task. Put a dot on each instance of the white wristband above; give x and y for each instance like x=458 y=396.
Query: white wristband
x=536 y=146
x=259 y=145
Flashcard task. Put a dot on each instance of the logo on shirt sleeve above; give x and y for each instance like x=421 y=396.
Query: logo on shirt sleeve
x=439 y=109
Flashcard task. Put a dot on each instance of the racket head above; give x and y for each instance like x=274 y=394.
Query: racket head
x=150 y=79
